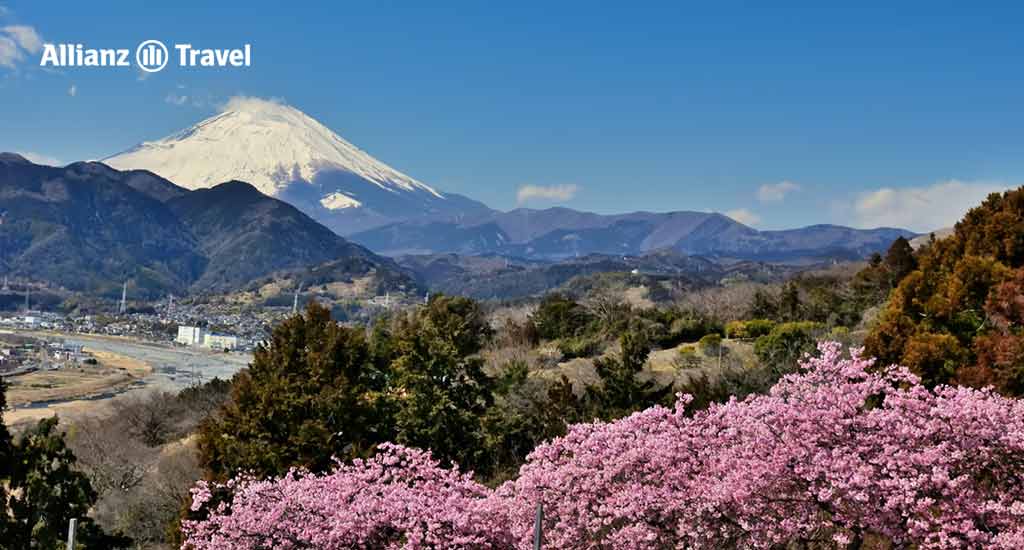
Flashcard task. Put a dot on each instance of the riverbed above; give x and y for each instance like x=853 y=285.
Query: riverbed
x=169 y=367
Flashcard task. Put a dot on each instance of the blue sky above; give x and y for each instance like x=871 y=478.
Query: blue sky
x=781 y=116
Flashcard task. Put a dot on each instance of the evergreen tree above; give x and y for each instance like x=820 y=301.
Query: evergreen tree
x=312 y=394
x=558 y=316
x=763 y=306
x=935 y=321
x=527 y=411
x=621 y=392
x=789 y=302
x=439 y=392
x=46 y=492
x=899 y=261
x=321 y=391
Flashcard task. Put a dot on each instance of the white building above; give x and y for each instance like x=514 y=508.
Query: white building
x=220 y=341
x=197 y=336
x=190 y=336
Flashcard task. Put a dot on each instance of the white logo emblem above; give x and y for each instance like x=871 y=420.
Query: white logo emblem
x=151 y=56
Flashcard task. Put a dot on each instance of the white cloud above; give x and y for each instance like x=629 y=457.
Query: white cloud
x=744 y=216
x=39 y=158
x=25 y=36
x=774 y=192
x=73 y=90
x=923 y=208
x=9 y=52
x=176 y=99
x=559 y=193
x=15 y=42
x=248 y=103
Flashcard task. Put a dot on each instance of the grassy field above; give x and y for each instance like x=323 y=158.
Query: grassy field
x=662 y=365
x=71 y=389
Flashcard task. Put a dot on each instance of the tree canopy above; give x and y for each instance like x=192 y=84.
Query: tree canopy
x=320 y=390
x=821 y=461
x=944 y=320
x=41 y=490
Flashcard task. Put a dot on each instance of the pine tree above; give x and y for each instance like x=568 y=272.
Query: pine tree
x=899 y=260
x=310 y=395
x=439 y=391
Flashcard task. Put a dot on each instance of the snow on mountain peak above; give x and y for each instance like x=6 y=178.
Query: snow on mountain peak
x=266 y=143
x=338 y=201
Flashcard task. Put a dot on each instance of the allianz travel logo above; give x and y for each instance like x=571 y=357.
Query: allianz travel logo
x=150 y=56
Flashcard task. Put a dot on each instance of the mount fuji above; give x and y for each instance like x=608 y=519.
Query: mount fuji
x=289 y=155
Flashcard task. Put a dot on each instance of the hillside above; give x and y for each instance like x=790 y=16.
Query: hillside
x=82 y=227
x=247 y=235
x=89 y=228
x=559 y=233
x=494 y=277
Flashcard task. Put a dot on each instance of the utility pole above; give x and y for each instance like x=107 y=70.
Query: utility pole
x=124 y=299
x=72 y=529
x=538 y=526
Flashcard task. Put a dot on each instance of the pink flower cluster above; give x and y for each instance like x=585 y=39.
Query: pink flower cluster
x=836 y=455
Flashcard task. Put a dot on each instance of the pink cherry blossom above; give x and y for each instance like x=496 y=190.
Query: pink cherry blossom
x=837 y=454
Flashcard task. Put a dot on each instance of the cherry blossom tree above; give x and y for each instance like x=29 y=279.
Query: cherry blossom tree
x=841 y=454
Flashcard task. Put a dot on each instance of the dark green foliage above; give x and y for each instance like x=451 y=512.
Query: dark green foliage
x=321 y=390
x=580 y=346
x=439 y=391
x=621 y=392
x=899 y=261
x=527 y=412
x=763 y=306
x=44 y=491
x=559 y=317
x=311 y=394
x=710 y=343
x=834 y=297
x=789 y=302
x=739 y=383
x=6 y=466
x=688 y=327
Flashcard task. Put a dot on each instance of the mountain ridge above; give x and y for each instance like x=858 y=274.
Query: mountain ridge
x=89 y=227
x=559 y=233
x=288 y=154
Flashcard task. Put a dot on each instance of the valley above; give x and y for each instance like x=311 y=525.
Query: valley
x=123 y=366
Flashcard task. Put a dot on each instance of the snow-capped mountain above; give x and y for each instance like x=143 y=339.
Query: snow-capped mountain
x=289 y=155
